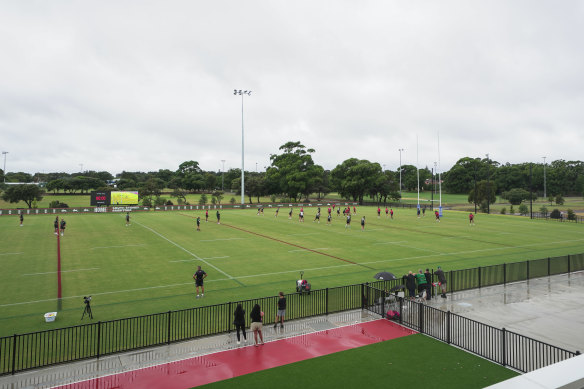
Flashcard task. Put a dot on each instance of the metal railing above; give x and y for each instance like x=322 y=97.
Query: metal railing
x=38 y=349
x=501 y=346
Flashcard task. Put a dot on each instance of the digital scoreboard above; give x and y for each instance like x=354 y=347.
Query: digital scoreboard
x=99 y=199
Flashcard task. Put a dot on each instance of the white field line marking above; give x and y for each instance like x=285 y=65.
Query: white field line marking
x=191 y=260
x=115 y=247
x=309 y=250
x=11 y=253
x=310 y=233
x=185 y=250
x=296 y=271
x=401 y=241
x=214 y=240
x=62 y=271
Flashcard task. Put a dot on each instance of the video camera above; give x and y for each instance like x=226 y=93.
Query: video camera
x=87 y=299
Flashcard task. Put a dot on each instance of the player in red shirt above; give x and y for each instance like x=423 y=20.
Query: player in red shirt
x=378 y=212
x=471 y=219
x=386 y=212
x=437 y=215
x=391 y=212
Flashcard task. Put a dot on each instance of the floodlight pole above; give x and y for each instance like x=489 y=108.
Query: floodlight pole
x=400 y=170
x=488 y=185
x=242 y=93
x=222 y=174
x=544 y=183
x=4 y=170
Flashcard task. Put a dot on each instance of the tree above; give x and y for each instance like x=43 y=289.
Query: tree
x=559 y=200
x=190 y=175
x=218 y=195
x=523 y=210
x=180 y=195
x=516 y=196
x=24 y=192
x=354 y=178
x=485 y=193
x=203 y=199
x=293 y=172
x=18 y=177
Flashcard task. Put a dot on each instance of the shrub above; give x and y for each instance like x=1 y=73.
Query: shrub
x=57 y=204
x=544 y=211
x=484 y=206
x=273 y=198
x=503 y=210
x=159 y=201
x=169 y=202
x=555 y=214
x=523 y=210
x=203 y=199
x=571 y=215
x=213 y=200
x=559 y=200
x=511 y=210
x=147 y=201
x=232 y=200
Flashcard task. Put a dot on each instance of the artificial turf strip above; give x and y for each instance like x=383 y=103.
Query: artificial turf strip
x=402 y=363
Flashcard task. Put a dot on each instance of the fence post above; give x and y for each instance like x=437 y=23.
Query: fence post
x=14 y=354
x=168 y=324
x=228 y=318
x=362 y=296
x=327 y=301
x=504 y=273
x=401 y=310
x=451 y=273
x=98 y=339
x=504 y=352
x=527 y=269
x=549 y=266
x=421 y=317
x=479 y=277
x=448 y=327
x=569 y=264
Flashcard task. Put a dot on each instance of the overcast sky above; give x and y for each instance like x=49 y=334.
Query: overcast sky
x=145 y=85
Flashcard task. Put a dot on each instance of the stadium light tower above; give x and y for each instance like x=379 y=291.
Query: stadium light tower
x=222 y=174
x=242 y=93
x=488 y=184
x=544 y=186
x=4 y=170
x=400 y=169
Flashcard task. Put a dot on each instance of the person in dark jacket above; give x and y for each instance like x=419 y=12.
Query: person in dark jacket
x=281 y=310
x=239 y=322
x=411 y=284
x=256 y=323
x=421 y=278
x=428 y=284
x=442 y=280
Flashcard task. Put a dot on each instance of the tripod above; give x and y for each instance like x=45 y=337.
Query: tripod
x=87 y=310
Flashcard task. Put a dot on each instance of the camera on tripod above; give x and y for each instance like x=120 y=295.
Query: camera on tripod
x=87 y=310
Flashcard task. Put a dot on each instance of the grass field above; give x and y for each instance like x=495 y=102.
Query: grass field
x=397 y=363
x=148 y=266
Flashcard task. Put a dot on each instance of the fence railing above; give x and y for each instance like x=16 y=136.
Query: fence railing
x=38 y=349
x=501 y=346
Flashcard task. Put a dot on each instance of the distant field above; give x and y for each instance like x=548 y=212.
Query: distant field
x=147 y=267
x=393 y=363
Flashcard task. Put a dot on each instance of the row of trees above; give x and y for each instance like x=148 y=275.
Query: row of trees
x=293 y=175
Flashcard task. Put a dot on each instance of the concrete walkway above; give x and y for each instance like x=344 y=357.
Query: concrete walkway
x=548 y=309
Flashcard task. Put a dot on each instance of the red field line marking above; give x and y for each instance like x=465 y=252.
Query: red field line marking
x=232 y=363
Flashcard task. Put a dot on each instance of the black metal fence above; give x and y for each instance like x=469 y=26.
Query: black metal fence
x=498 y=345
x=37 y=349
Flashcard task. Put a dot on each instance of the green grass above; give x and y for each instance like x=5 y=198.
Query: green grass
x=147 y=267
x=397 y=363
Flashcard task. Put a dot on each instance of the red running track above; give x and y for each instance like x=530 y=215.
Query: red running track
x=244 y=360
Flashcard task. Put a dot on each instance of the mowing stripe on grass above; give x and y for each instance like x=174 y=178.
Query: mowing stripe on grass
x=214 y=240
x=191 y=253
x=401 y=241
x=191 y=260
x=62 y=271
x=11 y=253
x=295 y=245
x=115 y=247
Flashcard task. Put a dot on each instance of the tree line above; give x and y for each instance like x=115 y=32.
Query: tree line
x=293 y=175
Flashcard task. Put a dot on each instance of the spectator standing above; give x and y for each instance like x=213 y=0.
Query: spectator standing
x=442 y=280
x=21 y=219
x=428 y=276
x=421 y=278
x=281 y=310
x=199 y=276
x=411 y=284
x=239 y=322
x=256 y=323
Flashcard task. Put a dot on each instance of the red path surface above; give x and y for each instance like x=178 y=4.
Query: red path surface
x=226 y=364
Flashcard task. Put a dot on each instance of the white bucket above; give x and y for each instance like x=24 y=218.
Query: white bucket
x=50 y=316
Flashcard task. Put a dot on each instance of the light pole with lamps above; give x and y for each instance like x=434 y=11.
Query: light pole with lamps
x=4 y=153
x=400 y=170
x=488 y=185
x=544 y=183
x=242 y=93
x=222 y=174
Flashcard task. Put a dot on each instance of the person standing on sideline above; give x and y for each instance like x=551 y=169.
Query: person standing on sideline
x=338 y=211
x=218 y=217
x=363 y=223
x=418 y=212
x=386 y=212
x=290 y=214
x=199 y=276
x=328 y=220
x=21 y=219
x=411 y=284
x=63 y=225
x=437 y=215
x=442 y=280
x=56 y=225
x=421 y=278
x=277 y=210
x=281 y=310
x=424 y=211
x=391 y=212
x=127 y=219
x=348 y=225
x=256 y=323
x=198 y=223
x=378 y=212
x=428 y=276
x=239 y=322
x=206 y=216
x=471 y=219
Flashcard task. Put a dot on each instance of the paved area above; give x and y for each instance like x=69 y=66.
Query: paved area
x=548 y=309
x=121 y=363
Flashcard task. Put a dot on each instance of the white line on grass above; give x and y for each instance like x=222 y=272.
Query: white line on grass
x=115 y=247
x=191 y=260
x=296 y=271
x=311 y=233
x=11 y=253
x=401 y=241
x=185 y=250
x=309 y=250
x=214 y=240
x=62 y=271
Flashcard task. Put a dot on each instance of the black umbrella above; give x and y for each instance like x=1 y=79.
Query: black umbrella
x=385 y=276
x=397 y=288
